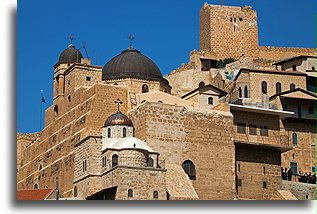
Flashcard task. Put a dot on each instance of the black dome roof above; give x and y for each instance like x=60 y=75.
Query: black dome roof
x=118 y=119
x=131 y=64
x=70 y=54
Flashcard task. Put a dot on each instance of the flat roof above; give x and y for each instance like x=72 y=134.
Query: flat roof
x=281 y=114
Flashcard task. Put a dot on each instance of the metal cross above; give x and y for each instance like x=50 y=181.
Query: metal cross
x=71 y=39
x=118 y=102
x=131 y=37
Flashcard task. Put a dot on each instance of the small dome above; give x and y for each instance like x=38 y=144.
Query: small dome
x=118 y=119
x=70 y=54
x=131 y=64
x=131 y=143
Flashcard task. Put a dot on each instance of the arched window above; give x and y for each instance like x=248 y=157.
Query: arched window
x=264 y=87
x=155 y=194
x=69 y=98
x=145 y=88
x=210 y=101
x=130 y=193
x=189 y=169
x=114 y=160
x=240 y=92
x=124 y=130
x=292 y=86
x=149 y=162
x=313 y=68
x=246 y=92
x=294 y=138
x=40 y=167
x=278 y=87
x=201 y=84
x=36 y=186
x=109 y=132
x=56 y=110
x=294 y=67
x=75 y=191
x=104 y=163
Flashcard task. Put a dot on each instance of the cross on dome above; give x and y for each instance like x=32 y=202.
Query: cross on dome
x=118 y=102
x=131 y=38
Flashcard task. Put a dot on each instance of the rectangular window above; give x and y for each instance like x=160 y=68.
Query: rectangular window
x=310 y=110
x=252 y=129
x=313 y=169
x=264 y=185
x=239 y=182
x=294 y=167
x=264 y=130
x=88 y=78
x=239 y=167
x=84 y=165
x=68 y=82
x=284 y=107
x=241 y=128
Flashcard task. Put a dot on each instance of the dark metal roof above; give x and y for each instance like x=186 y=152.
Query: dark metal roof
x=118 y=119
x=132 y=64
x=70 y=54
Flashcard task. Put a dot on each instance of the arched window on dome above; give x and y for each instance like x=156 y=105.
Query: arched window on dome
x=264 y=87
x=109 y=132
x=145 y=88
x=36 y=186
x=124 y=130
x=189 y=169
x=292 y=86
x=278 y=87
x=210 y=101
x=114 y=160
x=155 y=194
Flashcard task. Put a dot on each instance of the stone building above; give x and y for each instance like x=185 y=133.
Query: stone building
x=203 y=132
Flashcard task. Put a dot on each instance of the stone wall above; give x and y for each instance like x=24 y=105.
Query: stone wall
x=301 y=191
x=204 y=137
x=268 y=52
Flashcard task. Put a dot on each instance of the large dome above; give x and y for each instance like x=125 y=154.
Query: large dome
x=131 y=64
x=70 y=54
x=118 y=119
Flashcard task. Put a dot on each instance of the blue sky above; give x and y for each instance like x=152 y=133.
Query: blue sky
x=165 y=31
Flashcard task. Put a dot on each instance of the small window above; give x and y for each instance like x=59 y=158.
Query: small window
x=241 y=128
x=292 y=86
x=75 y=191
x=124 y=132
x=299 y=111
x=69 y=98
x=241 y=19
x=210 y=101
x=201 y=84
x=264 y=87
x=293 y=155
x=84 y=165
x=264 y=170
x=294 y=67
x=264 y=185
x=109 y=132
x=310 y=110
x=149 y=162
x=246 y=92
x=234 y=19
x=278 y=87
x=313 y=68
x=252 y=129
x=114 y=160
x=264 y=130
x=155 y=195
x=56 y=110
x=130 y=193
x=239 y=168
x=104 y=162
x=189 y=169
x=240 y=92
x=284 y=106
x=68 y=82
x=294 y=139
x=313 y=169
x=88 y=78
x=145 y=88
x=230 y=19
x=239 y=182
x=36 y=186
x=40 y=167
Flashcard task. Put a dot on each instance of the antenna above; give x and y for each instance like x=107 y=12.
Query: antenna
x=84 y=46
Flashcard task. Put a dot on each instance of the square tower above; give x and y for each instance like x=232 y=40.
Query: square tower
x=228 y=32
